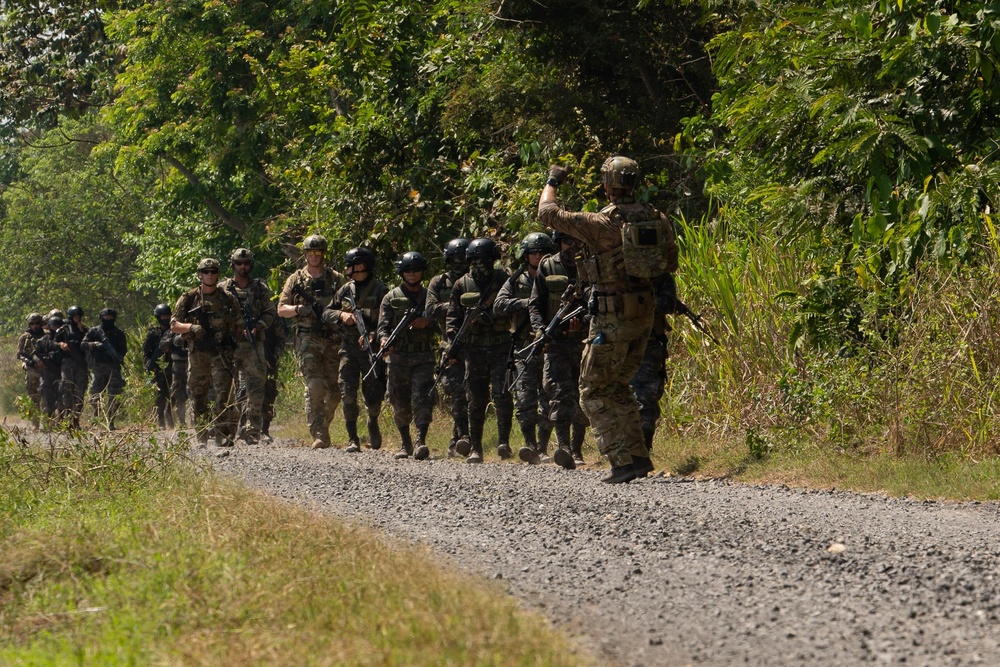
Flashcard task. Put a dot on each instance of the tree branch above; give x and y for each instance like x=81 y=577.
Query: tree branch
x=213 y=204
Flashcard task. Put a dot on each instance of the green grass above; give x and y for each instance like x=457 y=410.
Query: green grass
x=128 y=558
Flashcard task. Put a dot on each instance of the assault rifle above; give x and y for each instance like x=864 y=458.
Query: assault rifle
x=359 y=322
x=105 y=344
x=246 y=309
x=310 y=300
x=470 y=315
x=680 y=308
x=565 y=313
x=208 y=341
x=404 y=324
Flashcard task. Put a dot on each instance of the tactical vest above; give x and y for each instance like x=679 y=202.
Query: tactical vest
x=492 y=329
x=645 y=251
x=410 y=341
x=519 y=324
x=367 y=300
x=323 y=289
x=219 y=314
x=443 y=286
x=557 y=278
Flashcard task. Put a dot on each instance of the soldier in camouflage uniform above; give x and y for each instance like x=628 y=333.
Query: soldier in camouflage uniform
x=210 y=332
x=361 y=297
x=485 y=346
x=274 y=345
x=317 y=346
x=621 y=304
x=531 y=403
x=453 y=376
x=161 y=373
x=174 y=347
x=32 y=369
x=410 y=355
x=257 y=315
x=106 y=347
x=650 y=380
x=74 y=380
x=48 y=356
x=563 y=354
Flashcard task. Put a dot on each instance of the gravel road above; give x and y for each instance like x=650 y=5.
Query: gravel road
x=670 y=572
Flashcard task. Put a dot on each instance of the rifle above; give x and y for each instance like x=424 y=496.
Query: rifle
x=359 y=322
x=563 y=315
x=105 y=344
x=246 y=309
x=470 y=315
x=680 y=308
x=310 y=300
x=208 y=342
x=404 y=324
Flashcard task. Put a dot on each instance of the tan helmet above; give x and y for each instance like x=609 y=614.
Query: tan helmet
x=55 y=312
x=314 y=242
x=240 y=255
x=208 y=263
x=35 y=318
x=620 y=173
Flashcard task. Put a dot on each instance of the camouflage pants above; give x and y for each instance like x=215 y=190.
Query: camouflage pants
x=107 y=377
x=48 y=388
x=270 y=393
x=161 y=380
x=353 y=365
x=73 y=387
x=605 y=394
x=411 y=378
x=207 y=370
x=531 y=403
x=453 y=385
x=32 y=385
x=319 y=359
x=250 y=374
x=649 y=381
x=485 y=374
x=179 y=389
x=561 y=379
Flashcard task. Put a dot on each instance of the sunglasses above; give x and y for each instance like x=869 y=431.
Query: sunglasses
x=535 y=252
x=241 y=263
x=209 y=271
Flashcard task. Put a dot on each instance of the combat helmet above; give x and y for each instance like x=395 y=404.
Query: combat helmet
x=209 y=263
x=536 y=241
x=410 y=261
x=240 y=255
x=620 y=173
x=360 y=256
x=482 y=250
x=74 y=311
x=455 y=250
x=55 y=312
x=314 y=242
x=35 y=318
x=161 y=310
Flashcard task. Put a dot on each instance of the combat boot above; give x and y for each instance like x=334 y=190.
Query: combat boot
x=642 y=465
x=621 y=474
x=463 y=446
x=576 y=445
x=544 y=433
x=353 y=441
x=406 y=448
x=562 y=456
x=420 y=451
x=374 y=433
x=529 y=453
x=504 y=451
x=647 y=435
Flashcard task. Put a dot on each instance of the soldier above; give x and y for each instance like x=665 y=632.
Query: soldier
x=32 y=368
x=274 y=345
x=410 y=354
x=209 y=321
x=160 y=374
x=306 y=293
x=174 y=348
x=651 y=377
x=73 y=384
x=564 y=352
x=453 y=375
x=359 y=300
x=628 y=244
x=257 y=314
x=48 y=356
x=485 y=346
x=532 y=405
x=106 y=347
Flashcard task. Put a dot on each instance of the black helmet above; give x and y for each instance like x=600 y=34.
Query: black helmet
x=35 y=318
x=314 y=242
x=109 y=312
x=240 y=255
x=560 y=236
x=73 y=311
x=55 y=322
x=410 y=261
x=360 y=256
x=161 y=310
x=536 y=241
x=482 y=250
x=620 y=173
x=455 y=250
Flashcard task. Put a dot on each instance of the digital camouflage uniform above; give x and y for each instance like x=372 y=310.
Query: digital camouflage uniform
x=484 y=347
x=50 y=356
x=156 y=362
x=249 y=366
x=32 y=369
x=174 y=348
x=650 y=380
x=531 y=404
x=274 y=346
x=317 y=347
x=75 y=377
x=563 y=356
x=622 y=318
x=209 y=361
x=452 y=377
x=107 y=367
x=411 y=363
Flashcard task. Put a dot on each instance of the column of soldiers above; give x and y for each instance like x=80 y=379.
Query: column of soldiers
x=574 y=337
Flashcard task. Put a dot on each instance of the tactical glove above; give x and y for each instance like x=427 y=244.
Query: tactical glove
x=558 y=173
